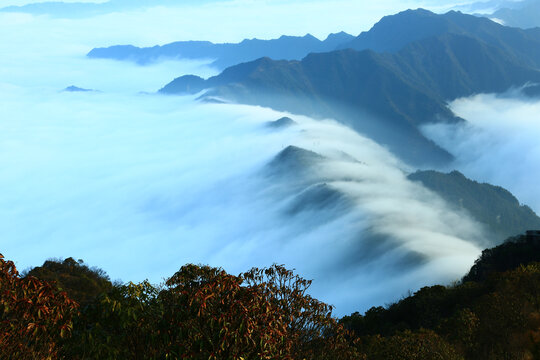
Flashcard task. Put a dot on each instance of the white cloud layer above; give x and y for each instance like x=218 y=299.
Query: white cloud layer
x=498 y=144
x=141 y=184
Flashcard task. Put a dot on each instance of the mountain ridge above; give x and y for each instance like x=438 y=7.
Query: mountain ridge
x=383 y=95
x=393 y=32
x=493 y=206
x=225 y=54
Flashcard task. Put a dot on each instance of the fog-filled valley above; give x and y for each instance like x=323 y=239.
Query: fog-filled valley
x=140 y=183
x=501 y=133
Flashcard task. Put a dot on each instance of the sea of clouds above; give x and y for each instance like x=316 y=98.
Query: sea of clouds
x=140 y=184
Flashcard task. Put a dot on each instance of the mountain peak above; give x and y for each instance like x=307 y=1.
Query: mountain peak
x=392 y=33
x=339 y=38
x=73 y=88
x=418 y=11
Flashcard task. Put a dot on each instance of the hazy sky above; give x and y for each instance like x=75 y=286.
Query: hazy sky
x=234 y=20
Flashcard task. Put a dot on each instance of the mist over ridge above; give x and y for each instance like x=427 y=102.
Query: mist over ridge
x=124 y=177
x=499 y=129
x=165 y=193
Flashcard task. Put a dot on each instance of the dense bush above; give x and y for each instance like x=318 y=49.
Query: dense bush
x=34 y=316
x=82 y=283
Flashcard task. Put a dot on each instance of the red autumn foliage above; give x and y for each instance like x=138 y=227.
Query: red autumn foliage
x=261 y=314
x=34 y=315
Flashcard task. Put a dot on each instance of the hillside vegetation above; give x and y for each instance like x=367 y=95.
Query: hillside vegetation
x=495 y=207
x=204 y=313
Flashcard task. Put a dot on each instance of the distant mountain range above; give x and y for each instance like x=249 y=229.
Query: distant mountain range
x=424 y=60
x=225 y=55
x=524 y=14
x=73 y=88
x=490 y=205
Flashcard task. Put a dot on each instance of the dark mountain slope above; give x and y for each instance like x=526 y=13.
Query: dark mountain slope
x=385 y=96
x=293 y=175
x=393 y=33
x=517 y=251
x=413 y=25
x=490 y=205
x=286 y=47
x=494 y=316
x=453 y=66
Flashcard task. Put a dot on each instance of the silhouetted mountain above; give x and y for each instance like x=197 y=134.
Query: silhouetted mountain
x=281 y=123
x=73 y=88
x=524 y=15
x=225 y=55
x=293 y=173
x=394 y=32
x=514 y=252
x=490 y=205
x=387 y=96
x=294 y=163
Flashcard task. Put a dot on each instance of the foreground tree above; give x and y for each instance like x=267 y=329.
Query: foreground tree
x=312 y=332
x=119 y=324
x=34 y=315
x=261 y=314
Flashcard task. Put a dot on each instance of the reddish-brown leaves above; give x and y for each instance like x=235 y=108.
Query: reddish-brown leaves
x=261 y=314
x=34 y=315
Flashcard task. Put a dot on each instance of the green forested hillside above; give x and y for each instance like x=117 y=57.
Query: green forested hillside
x=492 y=316
x=205 y=313
x=493 y=206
